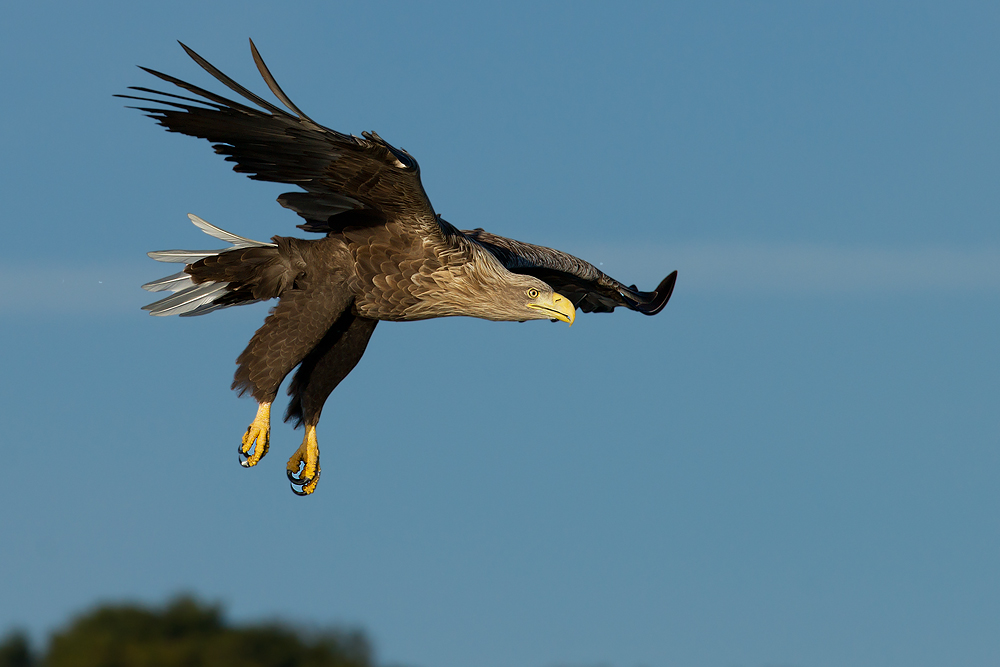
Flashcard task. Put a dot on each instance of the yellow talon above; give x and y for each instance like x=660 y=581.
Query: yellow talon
x=259 y=431
x=306 y=457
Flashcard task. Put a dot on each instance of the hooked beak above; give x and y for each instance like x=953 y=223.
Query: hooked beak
x=556 y=308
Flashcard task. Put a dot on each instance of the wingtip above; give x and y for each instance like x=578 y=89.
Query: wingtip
x=188 y=50
x=257 y=59
x=661 y=295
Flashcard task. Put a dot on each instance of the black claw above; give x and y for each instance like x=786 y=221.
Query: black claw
x=298 y=481
x=303 y=482
x=244 y=456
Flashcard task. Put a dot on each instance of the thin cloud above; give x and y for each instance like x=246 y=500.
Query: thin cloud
x=76 y=290
x=807 y=269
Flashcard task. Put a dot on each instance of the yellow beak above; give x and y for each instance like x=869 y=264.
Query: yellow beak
x=558 y=308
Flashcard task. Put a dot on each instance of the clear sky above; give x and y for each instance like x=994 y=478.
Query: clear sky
x=796 y=463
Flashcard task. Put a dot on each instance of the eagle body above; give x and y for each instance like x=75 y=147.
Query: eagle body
x=384 y=254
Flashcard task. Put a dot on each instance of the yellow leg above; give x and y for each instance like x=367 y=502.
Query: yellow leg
x=306 y=457
x=259 y=431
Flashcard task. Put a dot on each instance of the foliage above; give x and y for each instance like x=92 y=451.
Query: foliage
x=15 y=651
x=185 y=633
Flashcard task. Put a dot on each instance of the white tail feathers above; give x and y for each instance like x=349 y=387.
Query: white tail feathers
x=228 y=237
x=172 y=283
x=190 y=298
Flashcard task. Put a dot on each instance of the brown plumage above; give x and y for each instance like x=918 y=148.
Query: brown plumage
x=385 y=255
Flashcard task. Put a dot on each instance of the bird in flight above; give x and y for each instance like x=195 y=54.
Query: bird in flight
x=384 y=255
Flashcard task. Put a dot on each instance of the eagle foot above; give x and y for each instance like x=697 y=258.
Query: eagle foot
x=303 y=468
x=258 y=432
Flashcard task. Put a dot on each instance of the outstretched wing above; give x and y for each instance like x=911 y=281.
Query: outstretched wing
x=338 y=172
x=590 y=289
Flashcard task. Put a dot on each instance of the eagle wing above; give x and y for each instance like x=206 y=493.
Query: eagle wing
x=339 y=173
x=590 y=289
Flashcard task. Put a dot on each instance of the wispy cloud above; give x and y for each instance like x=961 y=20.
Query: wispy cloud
x=809 y=269
x=73 y=289
x=757 y=268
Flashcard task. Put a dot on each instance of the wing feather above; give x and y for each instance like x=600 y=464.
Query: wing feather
x=273 y=85
x=337 y=172
x=229 y=83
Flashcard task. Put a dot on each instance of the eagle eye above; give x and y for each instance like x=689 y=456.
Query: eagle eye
x=532 y=293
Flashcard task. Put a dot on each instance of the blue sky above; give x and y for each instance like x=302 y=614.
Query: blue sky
x=795 y=463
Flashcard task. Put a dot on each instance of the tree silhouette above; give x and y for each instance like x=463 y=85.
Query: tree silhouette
x=185 y=633
x=15 y=650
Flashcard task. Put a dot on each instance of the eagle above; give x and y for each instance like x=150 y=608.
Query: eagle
x=384 y=255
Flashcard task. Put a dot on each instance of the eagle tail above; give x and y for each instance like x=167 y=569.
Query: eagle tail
x=196 y=292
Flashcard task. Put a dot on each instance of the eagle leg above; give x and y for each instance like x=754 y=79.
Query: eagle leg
x=305 y=457
x=259 y=431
